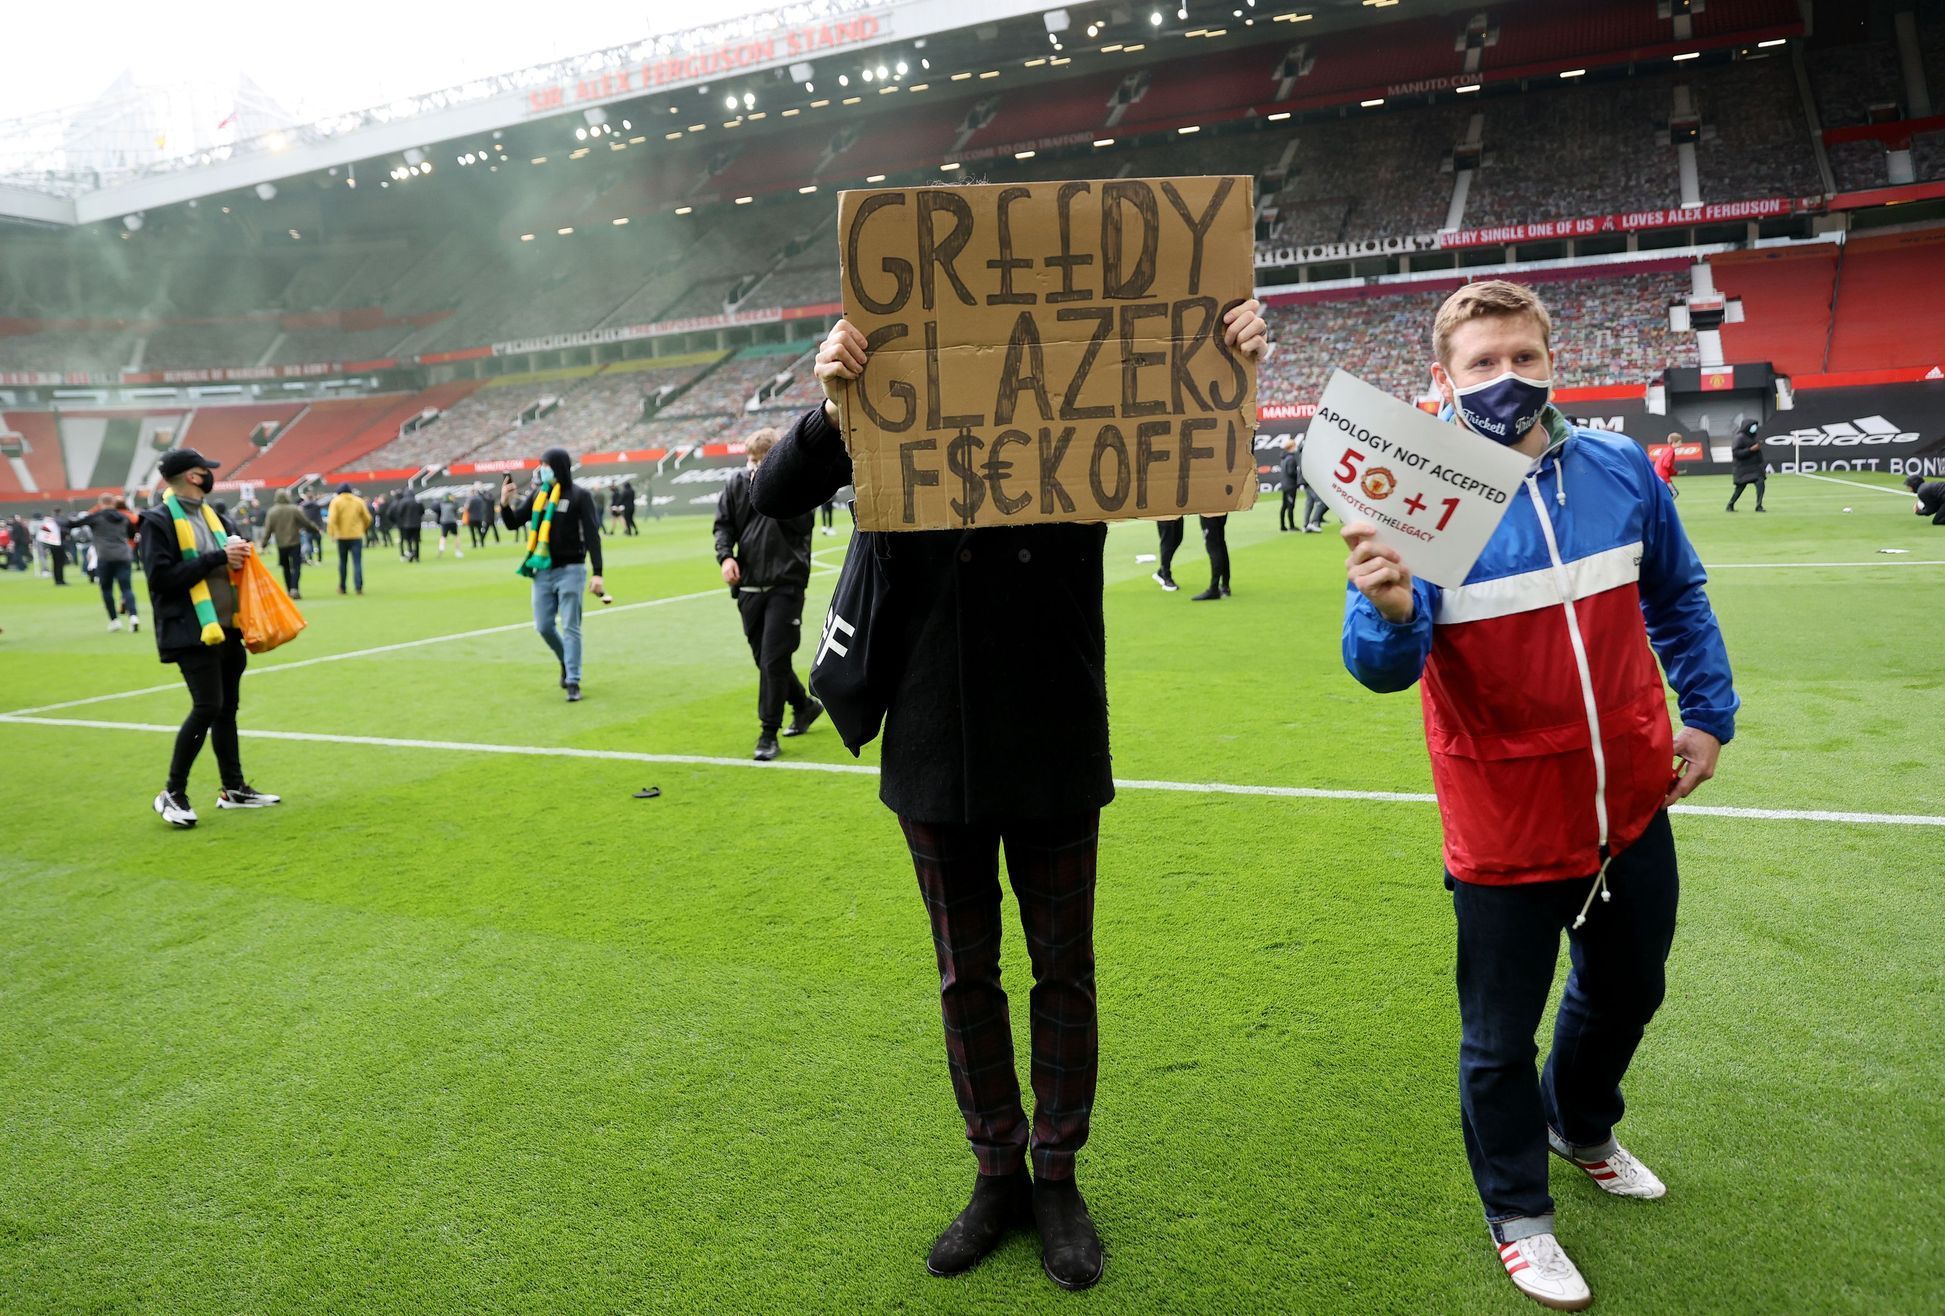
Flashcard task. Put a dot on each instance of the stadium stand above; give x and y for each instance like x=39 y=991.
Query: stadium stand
x=210 y=343
x=303 y=345
x=1755 y=140
x=223 y=433
x=1610 y=330
x=42 y=458
x=1928 y=155
x=1886 y=310
x=1786 y=295
x=1586 y=148
x=600 y=412
x=1858 y=165
x=95 y=351
x=338 y=434
x=1369 y=176
x=1848 y=80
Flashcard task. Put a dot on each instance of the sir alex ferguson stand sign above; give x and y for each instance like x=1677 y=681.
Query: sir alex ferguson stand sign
x=1434 y=491
x=1048 y=352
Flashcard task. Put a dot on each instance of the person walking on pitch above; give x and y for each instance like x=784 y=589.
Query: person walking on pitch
x=346 y=521
x=563 y=535
x=188 y=552
x=108 y=524
x=765 y=561
x=1747 y=453
x=1547 y=725
x=286 y=525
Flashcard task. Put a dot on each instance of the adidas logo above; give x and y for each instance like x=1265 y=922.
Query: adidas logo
x=1866 y=431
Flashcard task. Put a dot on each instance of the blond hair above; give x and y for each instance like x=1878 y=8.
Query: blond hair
x=1488 y=297
x=758 y=445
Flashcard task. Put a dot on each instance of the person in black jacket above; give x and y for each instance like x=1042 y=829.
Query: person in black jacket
x=1747 y=454
x=212 y=671
x=1291 y=476
x=559 y=566
x=766 y=564
x=996 y=734
x=1931 y=497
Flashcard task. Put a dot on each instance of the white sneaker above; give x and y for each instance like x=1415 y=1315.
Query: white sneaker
x=1617 y=1172
x=243 y=797
x=1543 y=1272
x=175 y=809
x=459 y=553
x=115 y=625
x=134 y=623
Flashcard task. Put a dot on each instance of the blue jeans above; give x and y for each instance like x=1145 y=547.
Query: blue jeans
x=557 y=594
x=353 y=552
x=110 y=574
x=1509 y=941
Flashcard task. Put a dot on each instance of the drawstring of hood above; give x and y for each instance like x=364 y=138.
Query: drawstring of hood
x=1555 y=452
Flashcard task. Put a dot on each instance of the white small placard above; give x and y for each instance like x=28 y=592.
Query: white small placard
x=1435 y=491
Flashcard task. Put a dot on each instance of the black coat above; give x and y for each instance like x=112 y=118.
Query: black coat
x=1747 y=453
x=1000 y=708
x=172 y=615
x=1292 y=472
x=770 y=551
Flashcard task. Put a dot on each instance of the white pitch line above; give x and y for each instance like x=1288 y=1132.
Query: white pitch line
x=1759 y=566
x=265 y=669
x=1855 y=484
x=866 y=770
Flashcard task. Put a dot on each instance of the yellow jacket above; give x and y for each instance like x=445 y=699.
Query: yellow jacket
x=347 y=517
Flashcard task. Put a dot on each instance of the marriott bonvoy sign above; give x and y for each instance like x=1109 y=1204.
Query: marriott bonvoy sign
x=679 y=69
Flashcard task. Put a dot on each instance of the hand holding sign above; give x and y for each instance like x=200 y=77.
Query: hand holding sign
x=1072 y=351
x=1431 y=494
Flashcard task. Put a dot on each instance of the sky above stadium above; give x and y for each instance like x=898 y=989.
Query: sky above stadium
x=366 y=53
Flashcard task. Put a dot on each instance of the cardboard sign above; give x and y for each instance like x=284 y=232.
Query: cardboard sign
x=1048 y=351
x=1435 y=491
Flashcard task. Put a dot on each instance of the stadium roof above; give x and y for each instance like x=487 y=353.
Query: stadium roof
x=46 y=178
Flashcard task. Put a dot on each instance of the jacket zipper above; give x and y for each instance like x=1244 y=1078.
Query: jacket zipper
x=1564 y=583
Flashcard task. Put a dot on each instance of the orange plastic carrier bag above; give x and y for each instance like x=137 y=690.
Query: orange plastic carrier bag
x=264 y=613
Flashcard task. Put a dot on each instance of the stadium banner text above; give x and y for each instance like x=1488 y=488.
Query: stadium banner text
x=1048 y=352
x=1628 y=222
x=664 y=72
x=1435 y=492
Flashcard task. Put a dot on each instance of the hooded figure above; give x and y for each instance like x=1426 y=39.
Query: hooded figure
x=1747 y=453
x=559 y=528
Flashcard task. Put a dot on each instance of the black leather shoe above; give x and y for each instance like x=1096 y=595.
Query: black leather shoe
x=766 y=748
x=1070 y=1250
x=1210 y=593
x=999 y=1203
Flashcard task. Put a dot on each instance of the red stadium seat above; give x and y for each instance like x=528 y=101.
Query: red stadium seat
x=1786 y=305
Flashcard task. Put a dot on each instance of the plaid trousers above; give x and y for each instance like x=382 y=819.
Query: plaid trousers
x=1051 y=865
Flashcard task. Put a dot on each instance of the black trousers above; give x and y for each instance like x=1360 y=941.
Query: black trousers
x=291 y=560
x=1509 y=940
x=479 y=534
x=57 y=560
x=213 y=674
x=1171 y=539
x=408 y=542
x=1286 y=516
x=1759 y=482
x=628 y=520
x=773 y=623
x=1215 y=539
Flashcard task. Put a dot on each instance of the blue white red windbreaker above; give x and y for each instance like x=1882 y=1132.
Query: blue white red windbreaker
x=1549 y=638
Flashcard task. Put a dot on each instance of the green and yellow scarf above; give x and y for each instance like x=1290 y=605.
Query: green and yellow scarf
x=539 y=532
x=186 y=541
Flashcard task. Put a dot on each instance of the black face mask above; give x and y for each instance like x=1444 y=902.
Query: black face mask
x=204 y=482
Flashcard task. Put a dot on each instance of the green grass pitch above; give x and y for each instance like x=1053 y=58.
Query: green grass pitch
x=459 y=1031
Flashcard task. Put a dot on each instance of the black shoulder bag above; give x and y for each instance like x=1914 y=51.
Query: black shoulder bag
x=853 y=671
